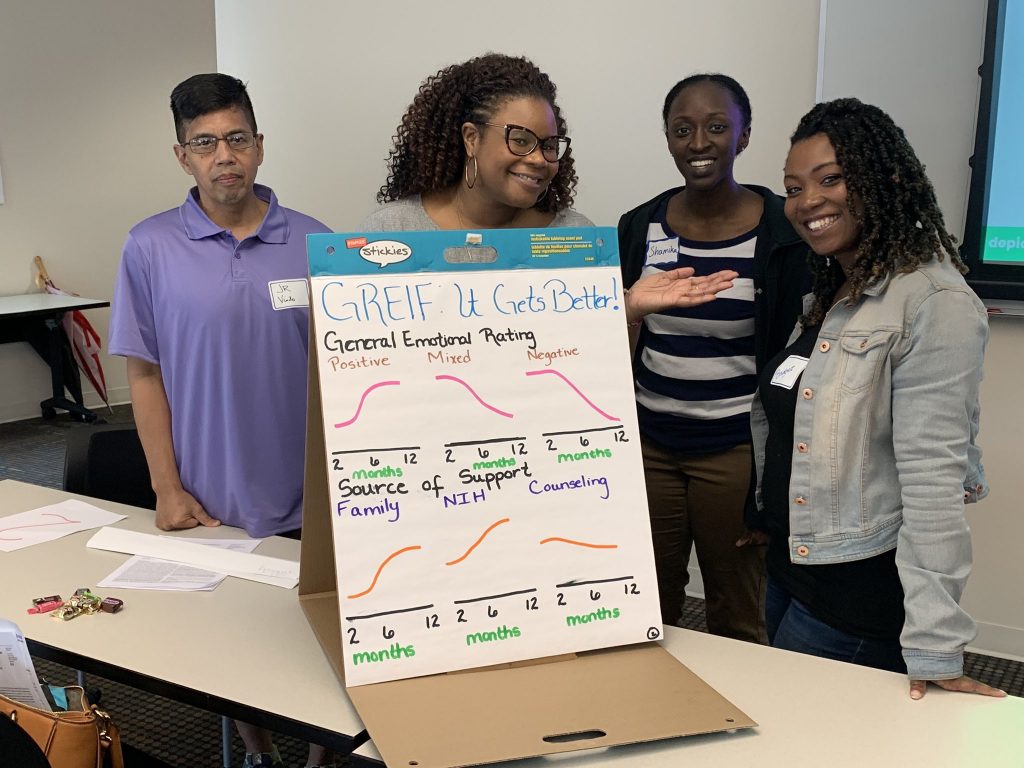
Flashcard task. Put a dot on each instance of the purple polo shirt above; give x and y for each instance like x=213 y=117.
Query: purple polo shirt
x=198 y=303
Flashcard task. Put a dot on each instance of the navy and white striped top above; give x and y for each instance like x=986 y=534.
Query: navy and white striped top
x=695 y=377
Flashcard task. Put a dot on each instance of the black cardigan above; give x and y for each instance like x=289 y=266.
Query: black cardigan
x=781 y=275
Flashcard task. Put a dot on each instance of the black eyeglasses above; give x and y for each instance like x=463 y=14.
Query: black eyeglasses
x=522 y=141
x=204 y=145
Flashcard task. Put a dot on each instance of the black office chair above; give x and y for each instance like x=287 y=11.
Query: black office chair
x=106 y=461
x=18 y=747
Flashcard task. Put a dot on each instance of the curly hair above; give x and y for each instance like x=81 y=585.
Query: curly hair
x=888 y=194
x=428 y=152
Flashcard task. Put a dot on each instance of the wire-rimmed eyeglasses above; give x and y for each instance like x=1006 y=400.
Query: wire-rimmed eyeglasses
x=204 y=145
x=522 y=141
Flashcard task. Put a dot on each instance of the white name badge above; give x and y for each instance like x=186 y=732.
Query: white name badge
x=789 y=371
x=663 y=251
x=288 y=294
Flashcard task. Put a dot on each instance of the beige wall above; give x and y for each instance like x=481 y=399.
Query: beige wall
x=997 y=523
x=316 y=65
x=85 y=140
x=344 y=73
x=85 y=150
x=923 y=69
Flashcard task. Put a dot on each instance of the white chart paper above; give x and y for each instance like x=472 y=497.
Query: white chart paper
x=51 y=522
x=487 y=493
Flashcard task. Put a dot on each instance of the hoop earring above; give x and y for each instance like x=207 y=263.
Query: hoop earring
x=476 y=172
x=543 y=194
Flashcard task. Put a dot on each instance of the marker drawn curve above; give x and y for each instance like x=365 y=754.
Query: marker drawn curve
x=63 y=521
x=575 y=389
x=362 y=400
x=380 y=568
x=476 y=543
x=579 y=543
x=479 y=399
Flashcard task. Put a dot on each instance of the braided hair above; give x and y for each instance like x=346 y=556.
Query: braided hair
x=888 y=194
x=428 y=153
x=739 y=96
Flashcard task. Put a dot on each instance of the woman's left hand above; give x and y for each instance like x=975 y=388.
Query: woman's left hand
x=963 y=684
x=674 y=288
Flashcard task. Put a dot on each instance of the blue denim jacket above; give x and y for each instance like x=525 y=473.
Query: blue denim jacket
x=884 y=450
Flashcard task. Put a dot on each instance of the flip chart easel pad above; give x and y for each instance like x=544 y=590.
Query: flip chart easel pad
x=487 y=491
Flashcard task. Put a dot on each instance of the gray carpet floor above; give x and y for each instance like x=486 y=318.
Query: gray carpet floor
x=169 y=733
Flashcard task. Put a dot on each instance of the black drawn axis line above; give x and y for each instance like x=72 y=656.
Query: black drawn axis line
x=592 y=581
x=377 y=450
x=388 y=613
x=483 y=442
x=579 y=431
x=495 y=597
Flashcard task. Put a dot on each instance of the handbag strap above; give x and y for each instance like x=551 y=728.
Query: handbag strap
x=110 y=740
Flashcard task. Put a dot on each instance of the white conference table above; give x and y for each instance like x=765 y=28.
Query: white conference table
x=35 y=318
x=811 y=712
x=244 y=650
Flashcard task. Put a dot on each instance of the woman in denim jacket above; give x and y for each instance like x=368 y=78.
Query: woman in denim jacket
x=864 y=426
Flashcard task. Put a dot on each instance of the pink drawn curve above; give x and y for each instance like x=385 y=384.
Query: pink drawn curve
x=479 y=399
x=63 y=521
x=362 y=400
x=575 y=389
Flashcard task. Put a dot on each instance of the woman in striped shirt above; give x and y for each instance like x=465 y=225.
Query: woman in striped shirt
x=696 y=367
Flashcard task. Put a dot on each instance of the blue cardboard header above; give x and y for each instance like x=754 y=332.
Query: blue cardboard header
x=377 y=253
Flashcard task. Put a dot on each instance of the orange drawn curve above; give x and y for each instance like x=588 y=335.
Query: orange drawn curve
x=380 y=568
x=476 y=543
x=579 y=543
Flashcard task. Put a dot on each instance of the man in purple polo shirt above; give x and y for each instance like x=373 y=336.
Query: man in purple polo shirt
x=211 y=311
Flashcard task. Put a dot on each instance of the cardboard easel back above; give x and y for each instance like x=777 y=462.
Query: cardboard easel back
x=318 y=583
x=597 y=699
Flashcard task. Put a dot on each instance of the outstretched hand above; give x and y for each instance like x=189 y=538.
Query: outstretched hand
x=963 y=684
x=674 y=288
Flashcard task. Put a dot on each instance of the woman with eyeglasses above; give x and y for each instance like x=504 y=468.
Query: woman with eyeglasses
x=483 y=146
x=695 y=367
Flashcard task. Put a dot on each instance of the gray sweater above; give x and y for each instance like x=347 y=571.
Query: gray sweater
x=408 y=214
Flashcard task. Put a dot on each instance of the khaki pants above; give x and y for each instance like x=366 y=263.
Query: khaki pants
x=698 y=501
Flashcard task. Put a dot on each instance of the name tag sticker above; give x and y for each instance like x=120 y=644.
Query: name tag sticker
x=663 y=251
x=807 y=300
x=789 y=371
x=288 y=294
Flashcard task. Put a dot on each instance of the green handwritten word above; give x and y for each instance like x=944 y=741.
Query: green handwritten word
x=396 y=651
x=501 y=633
x=601 y=614
x=495 y=463
x=597 y=453
x=364 y=474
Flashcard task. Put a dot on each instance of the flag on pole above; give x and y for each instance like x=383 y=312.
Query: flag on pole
x=85 y=342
